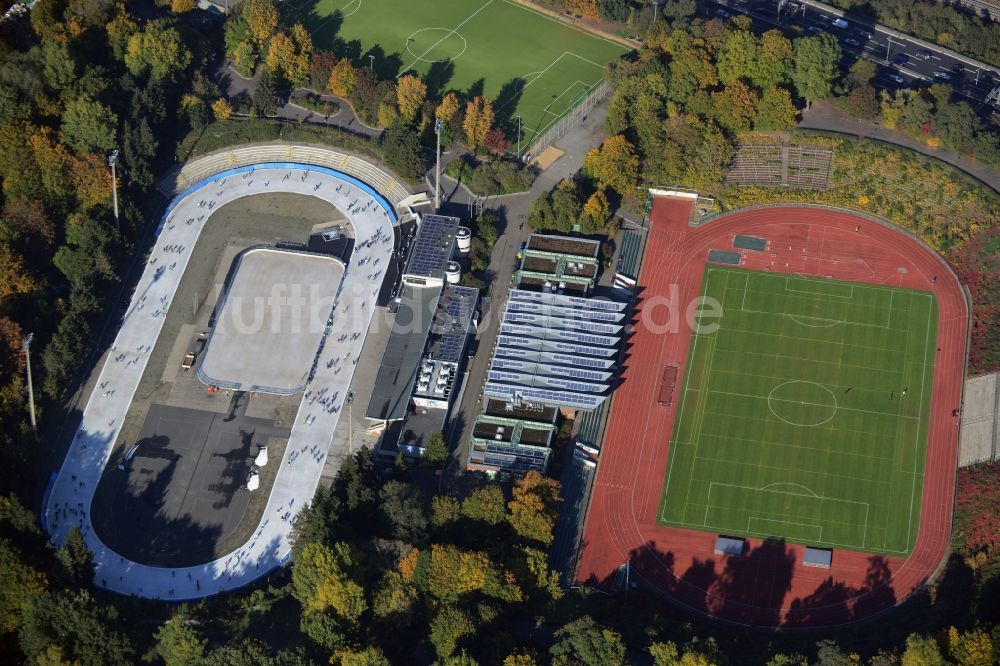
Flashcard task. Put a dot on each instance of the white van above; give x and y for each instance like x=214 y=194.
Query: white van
x=840 y=23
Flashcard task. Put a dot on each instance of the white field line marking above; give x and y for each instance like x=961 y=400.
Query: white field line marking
x=623 y=48
x=750 y=530
x=680 y=408
x=447 y=35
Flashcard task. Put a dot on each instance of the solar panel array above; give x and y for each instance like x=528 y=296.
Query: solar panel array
x=559 y=350
x=432 y=246
x=451 y=323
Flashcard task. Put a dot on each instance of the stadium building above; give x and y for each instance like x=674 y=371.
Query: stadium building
x=557 y=351
x=414 y=388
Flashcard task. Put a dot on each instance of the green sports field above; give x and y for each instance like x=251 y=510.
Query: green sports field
x=792 y=421
x=530 y=64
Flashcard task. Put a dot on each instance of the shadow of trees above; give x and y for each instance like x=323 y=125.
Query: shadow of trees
x=756 y=588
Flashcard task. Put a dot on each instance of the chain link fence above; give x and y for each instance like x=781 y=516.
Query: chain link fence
x=572 y=118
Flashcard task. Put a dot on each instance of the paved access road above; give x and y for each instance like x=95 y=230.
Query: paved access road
x=70 y=499
x=968 y=77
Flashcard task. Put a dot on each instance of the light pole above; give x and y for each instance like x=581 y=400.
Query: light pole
x=888 y=47
x=371 y=63
x=112 y=161
x=437 y=166
x=518 y=137
x=26 y=346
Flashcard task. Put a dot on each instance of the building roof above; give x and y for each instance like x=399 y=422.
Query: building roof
x=563 y=245
x=509 y=444
x=432 y=247
x=403 y=350
x=729 y=546
x=452 y=320
x=556 y=350
x=817 y=557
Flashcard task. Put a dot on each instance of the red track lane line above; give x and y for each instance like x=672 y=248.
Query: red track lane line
x=626 y=496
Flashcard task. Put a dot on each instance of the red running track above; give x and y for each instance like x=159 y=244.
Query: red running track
x=768 y=585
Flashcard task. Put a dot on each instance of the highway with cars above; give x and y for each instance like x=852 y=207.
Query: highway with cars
x=903 y=62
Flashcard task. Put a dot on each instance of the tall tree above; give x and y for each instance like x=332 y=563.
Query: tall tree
x=614 y=164
x=533 y=510
x=159 y=51
x=343 y=78
x=773 y=66
x=775 y=111
x=410 y=95
x=816 y=66
x=448 y=107
x=76 y=559
x=329 y=579
x=404 y=511
x=436 y=450
x=88 y=125
x=478 y=121
x=178 y=641
x=261 y=17
x=84 y=630
x=586 y=643
x=735 y=107
x=738 y=57
x=448 y=627
x=486 y=504
x=20 y=582
x=402 y=150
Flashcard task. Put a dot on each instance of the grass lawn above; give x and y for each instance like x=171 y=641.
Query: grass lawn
x=793 y=423
x=530 y=64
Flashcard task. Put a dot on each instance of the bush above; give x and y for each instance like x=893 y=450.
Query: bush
x=317 y=104
x=491 y=177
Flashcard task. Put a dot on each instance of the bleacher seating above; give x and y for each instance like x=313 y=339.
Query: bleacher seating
x=180 y=178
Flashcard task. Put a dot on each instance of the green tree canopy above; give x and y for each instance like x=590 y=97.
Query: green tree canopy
x=584 y=642
x=158 y=51
x=88 y=126
x=816 y=66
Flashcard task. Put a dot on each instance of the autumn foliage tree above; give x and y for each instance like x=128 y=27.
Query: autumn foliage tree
x=614 y=164
x=343 y=78
x=410 y=95
x=534 y=508
x=448 y=107
x=478 y=121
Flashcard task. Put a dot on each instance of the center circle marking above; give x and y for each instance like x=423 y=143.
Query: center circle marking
x=784 y=398
x=434 y=41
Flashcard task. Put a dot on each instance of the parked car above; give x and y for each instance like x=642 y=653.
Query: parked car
x=897 y=78
x=816 y=30
x=851 y=41
x=865 y=34
x=722 y=13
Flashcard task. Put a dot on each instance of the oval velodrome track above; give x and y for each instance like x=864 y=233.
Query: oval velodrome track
x=71 y=493
x=769 y=586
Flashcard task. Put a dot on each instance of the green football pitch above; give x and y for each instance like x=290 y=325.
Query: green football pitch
x=804 y=413
x=532 y=65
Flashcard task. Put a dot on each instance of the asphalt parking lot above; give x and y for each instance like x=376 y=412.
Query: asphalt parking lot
x=184 y=490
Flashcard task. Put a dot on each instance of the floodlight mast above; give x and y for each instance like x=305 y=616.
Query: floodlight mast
x=26 y=346
x=437 y=166
x=112 y=161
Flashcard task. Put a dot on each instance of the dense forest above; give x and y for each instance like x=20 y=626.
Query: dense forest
x=388 y=569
